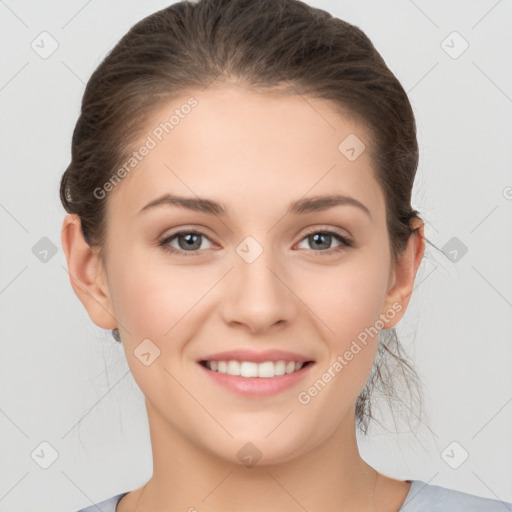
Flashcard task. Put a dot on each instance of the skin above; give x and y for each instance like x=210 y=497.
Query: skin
x=254 y=152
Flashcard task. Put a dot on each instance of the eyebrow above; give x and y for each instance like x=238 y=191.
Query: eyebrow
x=302 y=206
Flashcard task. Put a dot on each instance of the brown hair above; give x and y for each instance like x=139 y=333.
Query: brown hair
x=262 y=44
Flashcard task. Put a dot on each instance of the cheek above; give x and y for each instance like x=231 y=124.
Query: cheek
x=349 y=312
x=156 y=301
x=349 y=298
x=151 y=298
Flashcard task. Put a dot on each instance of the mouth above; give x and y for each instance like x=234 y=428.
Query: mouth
x=251 y=369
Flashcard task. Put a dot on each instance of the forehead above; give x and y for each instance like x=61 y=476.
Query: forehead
x=249 y=148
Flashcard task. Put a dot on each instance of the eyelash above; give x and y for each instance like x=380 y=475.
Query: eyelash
x=345 y=242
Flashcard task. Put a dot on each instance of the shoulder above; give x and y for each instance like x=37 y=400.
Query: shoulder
x=424 y=497
x=108 y=505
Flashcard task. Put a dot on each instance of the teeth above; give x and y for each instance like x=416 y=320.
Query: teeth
x=264 y=370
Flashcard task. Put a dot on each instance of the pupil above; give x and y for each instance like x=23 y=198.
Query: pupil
x=190 y=240
x=318 y=236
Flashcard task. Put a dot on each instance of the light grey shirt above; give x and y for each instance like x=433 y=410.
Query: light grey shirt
x=422 y=497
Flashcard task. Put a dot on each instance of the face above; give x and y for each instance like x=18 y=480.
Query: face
x=314 y=280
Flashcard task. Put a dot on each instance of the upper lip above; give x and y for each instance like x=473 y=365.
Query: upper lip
x=256 y=357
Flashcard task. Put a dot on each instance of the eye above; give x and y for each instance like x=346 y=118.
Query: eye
x=323 y=239
x=188 y=242
x=191 y=242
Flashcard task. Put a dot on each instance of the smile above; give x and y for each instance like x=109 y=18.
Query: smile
x=264 y=370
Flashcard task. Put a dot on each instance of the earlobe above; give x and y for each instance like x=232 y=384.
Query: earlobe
x=403 y=276
x=86 y=274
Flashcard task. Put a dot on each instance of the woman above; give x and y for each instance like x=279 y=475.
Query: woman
x=239 y=216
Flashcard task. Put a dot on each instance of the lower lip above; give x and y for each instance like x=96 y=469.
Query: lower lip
x=257 y=386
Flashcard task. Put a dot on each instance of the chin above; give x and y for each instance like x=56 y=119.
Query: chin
x=258 y=450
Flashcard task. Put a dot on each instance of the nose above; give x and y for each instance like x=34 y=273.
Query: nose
x=257 y=295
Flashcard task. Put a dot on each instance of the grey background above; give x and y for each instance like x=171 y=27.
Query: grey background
x=65 y=382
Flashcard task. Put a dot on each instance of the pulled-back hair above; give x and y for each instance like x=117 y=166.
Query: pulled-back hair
x=266 y=45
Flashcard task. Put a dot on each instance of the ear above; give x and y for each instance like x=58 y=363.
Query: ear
x=86 y=274
x=402 y=276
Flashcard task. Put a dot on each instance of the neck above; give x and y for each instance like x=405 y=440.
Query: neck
x=332 y=477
